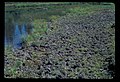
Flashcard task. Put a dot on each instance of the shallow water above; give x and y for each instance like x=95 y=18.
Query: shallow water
x=18 y=22
x=15 y=30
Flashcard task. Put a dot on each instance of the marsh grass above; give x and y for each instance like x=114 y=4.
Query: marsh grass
x=40 y=28
x=89 y=9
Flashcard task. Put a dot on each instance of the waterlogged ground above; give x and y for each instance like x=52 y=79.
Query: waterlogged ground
x=79 y=46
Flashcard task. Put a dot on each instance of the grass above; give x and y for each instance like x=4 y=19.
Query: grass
x=39 y=21
x=40 y=28
x=89 y=9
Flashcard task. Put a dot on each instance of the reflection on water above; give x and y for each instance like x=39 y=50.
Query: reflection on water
x=16 y=37
x=15 y=30
x=24 y=30
x=18 y=20
x=20 y=31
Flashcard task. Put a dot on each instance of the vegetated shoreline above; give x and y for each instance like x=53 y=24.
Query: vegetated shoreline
x=82 y=48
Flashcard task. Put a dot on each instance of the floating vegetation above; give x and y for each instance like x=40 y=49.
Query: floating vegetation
x=78 y=45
